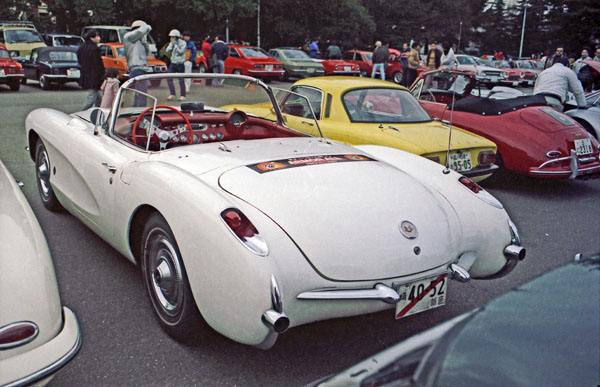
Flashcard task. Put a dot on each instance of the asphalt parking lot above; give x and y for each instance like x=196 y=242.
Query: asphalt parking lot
x=124 y=345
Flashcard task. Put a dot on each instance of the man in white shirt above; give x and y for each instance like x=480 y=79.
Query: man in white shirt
x=555 y=82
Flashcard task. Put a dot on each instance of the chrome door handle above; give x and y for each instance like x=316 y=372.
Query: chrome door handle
x=110 y=168
x=308 y=123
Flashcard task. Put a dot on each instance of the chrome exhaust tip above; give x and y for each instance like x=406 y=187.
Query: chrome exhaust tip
x=459 y=273
x=514 y=252
x=279 y=322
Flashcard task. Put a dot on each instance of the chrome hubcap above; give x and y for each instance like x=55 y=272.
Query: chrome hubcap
x=165 y=274
x=44 y=174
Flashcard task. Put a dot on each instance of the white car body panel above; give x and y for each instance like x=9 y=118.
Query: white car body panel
x=28 y=292
x=190 y=186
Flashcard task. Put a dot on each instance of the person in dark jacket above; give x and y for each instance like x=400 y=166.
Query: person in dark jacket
x=221 y=51
x=381 y=57
x=92 y=68
x=434 y=57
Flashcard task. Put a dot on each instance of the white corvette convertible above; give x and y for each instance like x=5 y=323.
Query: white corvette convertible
x=251 y=227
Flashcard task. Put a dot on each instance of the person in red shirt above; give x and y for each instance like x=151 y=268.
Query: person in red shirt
x=206 y=52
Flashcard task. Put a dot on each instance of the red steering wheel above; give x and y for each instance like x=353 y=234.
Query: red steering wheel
x=187 y=122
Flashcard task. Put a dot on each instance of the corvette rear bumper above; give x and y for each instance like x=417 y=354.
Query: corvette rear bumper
x=579 y=166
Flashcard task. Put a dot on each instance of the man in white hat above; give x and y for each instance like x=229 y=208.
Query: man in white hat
x=176 y=48
x=136 y=52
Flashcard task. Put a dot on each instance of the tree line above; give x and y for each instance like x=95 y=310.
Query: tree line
x=482 y=25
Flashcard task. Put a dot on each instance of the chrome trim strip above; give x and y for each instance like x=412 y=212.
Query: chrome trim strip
x=480 y=170
x=58 y=76
x=51 y=368
x=12 y=76
x=266 y=71
x=19 y=323
x=381 y=292
x=551 y=173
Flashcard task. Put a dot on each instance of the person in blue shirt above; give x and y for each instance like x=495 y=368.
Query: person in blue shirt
x=190 y=57
x=314 y=49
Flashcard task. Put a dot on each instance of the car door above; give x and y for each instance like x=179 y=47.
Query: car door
x=233 y=62
x=96 y=161
x=29 y=67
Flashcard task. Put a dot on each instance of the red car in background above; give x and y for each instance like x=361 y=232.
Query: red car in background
x=363 y=59
x=533 y=139
x=516 y=76
x=252 y=61
x=11 y=71
x=339 y=67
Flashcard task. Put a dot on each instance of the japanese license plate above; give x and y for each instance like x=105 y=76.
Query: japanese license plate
x=311 y=70
x=419 y=296
x=269 y=67
x=2 y=73
x=584 y=146
x=347 y=68
x=460 y=161
x=73 y=73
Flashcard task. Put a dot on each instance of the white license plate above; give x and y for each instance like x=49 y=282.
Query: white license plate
x=73 y=73
x=2 y=73
x=419 y=296
x=460 y=161
x=583 y=147
x=347 y=68
x=269 y=67
x=311 y=70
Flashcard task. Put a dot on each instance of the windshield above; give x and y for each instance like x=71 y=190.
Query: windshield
x=220 y=109
x=253 y=52
x=369 y=56
x=501 y=64
x=446 y=81
x=295 y=54
x=379 y=105
x=62 y=56
x=524 y=65
x=68 y=41
x=537 y=65
x=22 y=36
x=465 y=60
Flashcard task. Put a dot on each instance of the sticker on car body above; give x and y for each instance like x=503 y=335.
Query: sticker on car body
x=274 y=165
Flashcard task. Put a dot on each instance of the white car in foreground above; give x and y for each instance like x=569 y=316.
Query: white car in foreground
x=253 y=227
x=38 y=335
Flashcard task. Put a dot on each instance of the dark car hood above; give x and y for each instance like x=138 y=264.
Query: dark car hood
x=543 y=333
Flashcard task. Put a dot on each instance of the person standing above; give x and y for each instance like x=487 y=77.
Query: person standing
x=413 y=63
x=177 y=49
x=585 y=73
x=404 y=63
x=206 y=53
x=92 y=68
x=448 y=59
x=333 y=51
x=190 y=57
x=434 y=57
x=110 y=87
x=314 y=49
x=135 y=43
x=555 y=82
x=221 y=51
x=597 y=54
x=381 y=56
x=560 y=51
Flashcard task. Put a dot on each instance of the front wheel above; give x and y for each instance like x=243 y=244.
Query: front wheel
x=397 y=77
x=166 y=281
x=42 y=174
x=15 y=86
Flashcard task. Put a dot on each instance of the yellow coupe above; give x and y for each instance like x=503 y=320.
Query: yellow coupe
x=360 y=111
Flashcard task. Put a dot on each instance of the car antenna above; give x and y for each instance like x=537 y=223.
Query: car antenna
x=447 y=169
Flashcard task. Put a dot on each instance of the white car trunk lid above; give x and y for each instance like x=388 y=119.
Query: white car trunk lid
x=347 y=229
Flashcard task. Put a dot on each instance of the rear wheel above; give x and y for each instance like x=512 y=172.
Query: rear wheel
x=166 y=281
x=44 y=82
x=15 y=86
x=42 y=174
x=397 y=77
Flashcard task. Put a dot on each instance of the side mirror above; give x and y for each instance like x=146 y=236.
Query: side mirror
x=97 y=118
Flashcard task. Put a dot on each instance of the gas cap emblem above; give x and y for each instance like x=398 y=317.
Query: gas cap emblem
x=408 y=229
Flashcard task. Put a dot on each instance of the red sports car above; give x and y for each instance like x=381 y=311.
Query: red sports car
x=252 y=61
x=339 y=67
x=532 y=138
x=515 y=76
x=11 y=71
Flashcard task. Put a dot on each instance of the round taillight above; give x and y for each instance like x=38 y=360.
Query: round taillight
x=17 y=334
